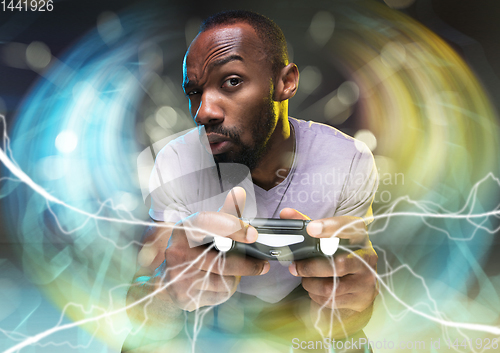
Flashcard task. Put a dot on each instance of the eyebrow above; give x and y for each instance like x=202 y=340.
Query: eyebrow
x=216 y=63
x=225 y=60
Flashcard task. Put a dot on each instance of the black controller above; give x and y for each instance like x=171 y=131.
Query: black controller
x=280 y=239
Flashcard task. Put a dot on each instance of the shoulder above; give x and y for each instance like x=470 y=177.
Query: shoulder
x=318 y=128
x=323 y=138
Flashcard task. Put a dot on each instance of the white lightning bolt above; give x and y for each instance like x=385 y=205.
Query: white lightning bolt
x=426 y=213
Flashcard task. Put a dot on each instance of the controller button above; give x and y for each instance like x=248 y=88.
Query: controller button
x=222 y=243
x=275 y=253
x=279 y=239
x=329 y=246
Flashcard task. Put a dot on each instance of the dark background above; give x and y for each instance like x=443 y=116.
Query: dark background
x=470 y=26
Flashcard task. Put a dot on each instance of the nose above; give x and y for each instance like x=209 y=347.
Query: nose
x=209 y=111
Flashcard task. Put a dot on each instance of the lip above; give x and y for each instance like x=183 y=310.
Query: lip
x=218 y=143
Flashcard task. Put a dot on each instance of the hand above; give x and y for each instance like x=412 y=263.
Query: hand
x=347 y=281
x=152 y=253
x=198 y=276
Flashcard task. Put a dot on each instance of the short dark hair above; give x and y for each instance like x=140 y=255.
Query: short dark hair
x=269 y=33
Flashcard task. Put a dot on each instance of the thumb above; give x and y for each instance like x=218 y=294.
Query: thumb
x=235 y=202
x=290 y=213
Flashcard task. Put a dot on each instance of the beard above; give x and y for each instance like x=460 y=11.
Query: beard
x=249 y=155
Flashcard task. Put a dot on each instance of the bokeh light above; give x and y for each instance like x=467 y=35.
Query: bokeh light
x=66 y=141
x=38 y=55
x=310 y=79
x=322 y=27
x=367 y=137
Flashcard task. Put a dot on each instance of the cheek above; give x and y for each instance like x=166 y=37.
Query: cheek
x=248 y=125
x=246 y=110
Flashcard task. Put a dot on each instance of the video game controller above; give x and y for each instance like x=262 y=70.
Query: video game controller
x=280 y=239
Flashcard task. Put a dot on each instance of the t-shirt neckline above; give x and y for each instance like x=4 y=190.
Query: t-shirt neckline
x=286 y=182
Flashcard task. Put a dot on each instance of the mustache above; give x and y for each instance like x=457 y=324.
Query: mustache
x=233 y=134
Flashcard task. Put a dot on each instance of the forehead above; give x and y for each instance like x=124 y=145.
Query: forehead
x=221 y=42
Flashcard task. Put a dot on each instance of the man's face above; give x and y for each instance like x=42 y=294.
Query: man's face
x=229 y=85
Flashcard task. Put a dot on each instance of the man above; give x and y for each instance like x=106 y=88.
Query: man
x=238 y=81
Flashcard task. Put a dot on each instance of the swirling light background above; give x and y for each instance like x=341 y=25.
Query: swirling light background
x=366 y=68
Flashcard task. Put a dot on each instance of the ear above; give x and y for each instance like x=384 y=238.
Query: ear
x=286 y=83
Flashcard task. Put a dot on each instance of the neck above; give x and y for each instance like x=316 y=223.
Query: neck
x=276 y=163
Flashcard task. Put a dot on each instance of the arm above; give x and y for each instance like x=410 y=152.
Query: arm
x=189 y=276
x=156 y=318
x=342 y=289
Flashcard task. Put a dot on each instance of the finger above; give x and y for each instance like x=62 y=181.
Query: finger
x=314 y=267
x=361 y=260
x=234 y=204
x=215 y=283
x=338 y=266
x=179 y=255
x=203 y=224
x=328 y=302
x=324 y=287
x=344 y=227
x=327 y=287
x=356 y=291
x=233 y=265
x=291 y=213
x=155 y=241
x=340 y=302
x=346 y=264
x=226 y=222
x=358 y=301
x=202 y=280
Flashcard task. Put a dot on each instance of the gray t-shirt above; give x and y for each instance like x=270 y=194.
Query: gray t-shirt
x=332 y=175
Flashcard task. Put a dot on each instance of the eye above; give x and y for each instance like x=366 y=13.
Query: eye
x=193 y=92
x=231 y=82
